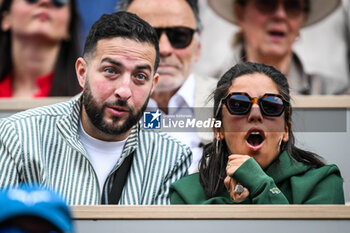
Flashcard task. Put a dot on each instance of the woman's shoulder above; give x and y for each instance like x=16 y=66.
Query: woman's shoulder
x=324 y=172
x=289 y=167
x=323 y=185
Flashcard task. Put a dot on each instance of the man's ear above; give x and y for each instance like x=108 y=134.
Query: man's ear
x=154 y=82
x=81 y=71
x=198 y=49
x=5 y=23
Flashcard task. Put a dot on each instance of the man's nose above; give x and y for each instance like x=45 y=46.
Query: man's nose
x=165 y=47
x=123 y=88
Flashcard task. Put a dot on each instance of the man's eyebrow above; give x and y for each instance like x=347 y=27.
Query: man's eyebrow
x=144 y=67
x=109 y=60
x=116 y=63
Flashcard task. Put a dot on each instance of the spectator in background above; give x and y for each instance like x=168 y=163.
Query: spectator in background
x=179 y=90
x=38 y=47
x=268 y=30
x=33 y=209
x=91 y=11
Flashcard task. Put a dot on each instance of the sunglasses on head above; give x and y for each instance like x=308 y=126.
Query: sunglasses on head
x=179 y=37
x=56 y=3
x=240 y=103
x=293 y=8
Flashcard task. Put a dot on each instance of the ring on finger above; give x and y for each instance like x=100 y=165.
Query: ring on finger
x=239 y=189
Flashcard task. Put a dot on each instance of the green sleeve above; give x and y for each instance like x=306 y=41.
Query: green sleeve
x=262 y=187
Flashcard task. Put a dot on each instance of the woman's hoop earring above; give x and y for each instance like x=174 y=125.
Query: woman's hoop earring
x=217 y=146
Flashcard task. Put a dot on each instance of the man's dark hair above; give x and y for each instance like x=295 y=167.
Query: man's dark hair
x=125 y=25
x=123 y=5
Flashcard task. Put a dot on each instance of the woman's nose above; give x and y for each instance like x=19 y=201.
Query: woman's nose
x=281 y=11
x=255 y=114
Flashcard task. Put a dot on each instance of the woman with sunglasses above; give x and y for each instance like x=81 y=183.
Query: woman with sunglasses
x=267 y=32
x=253 y=158
x=39 y=44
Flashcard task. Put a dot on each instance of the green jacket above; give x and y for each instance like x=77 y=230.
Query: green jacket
x=286 y=182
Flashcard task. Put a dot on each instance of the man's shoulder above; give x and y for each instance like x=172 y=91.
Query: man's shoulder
x=54 y=110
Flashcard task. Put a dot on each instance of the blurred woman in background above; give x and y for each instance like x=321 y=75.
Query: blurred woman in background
x=268 y=30
x=39 y=45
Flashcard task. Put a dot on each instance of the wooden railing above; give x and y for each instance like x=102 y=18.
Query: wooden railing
x=213 y=219
x=213 y=212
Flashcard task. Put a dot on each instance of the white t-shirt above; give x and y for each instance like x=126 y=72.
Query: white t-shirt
x=102 y=155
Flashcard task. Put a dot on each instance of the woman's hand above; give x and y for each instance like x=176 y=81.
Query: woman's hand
x=234 y=162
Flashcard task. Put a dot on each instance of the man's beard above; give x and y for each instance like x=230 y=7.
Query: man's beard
x=96 y=114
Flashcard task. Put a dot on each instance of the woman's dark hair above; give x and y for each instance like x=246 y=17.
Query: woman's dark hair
x=64 y=81
x=213 y=163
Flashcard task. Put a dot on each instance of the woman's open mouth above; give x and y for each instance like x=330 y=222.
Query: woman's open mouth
x=255 y=138
x=276 y=35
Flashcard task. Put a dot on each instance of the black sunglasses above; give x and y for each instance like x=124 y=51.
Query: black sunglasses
x=240 y=103
x=179 y=37
x=56 y=3
x=293 y=8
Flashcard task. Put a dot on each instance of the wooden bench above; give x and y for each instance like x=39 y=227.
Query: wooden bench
x=213 y=219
